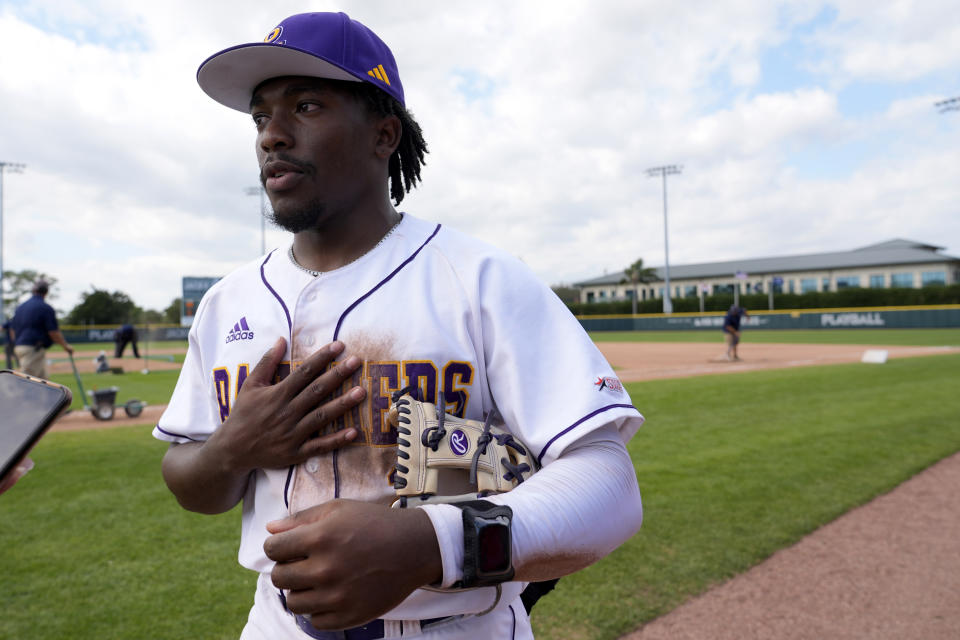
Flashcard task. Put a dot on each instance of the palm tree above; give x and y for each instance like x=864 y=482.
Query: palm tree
x=635 y=273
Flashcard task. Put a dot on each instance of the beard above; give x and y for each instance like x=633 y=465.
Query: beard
x=304 y=218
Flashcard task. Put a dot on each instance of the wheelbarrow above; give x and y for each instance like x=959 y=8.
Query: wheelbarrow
x=104 y=400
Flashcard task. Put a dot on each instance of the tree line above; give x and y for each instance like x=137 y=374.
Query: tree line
x=97 y=306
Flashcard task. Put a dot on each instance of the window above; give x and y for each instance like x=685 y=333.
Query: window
x=848 y=282
x=629 y=294
x=590 y=296
x=928 y=278
x=901 y=279
x=723 y=288
x=876 y=281
x=826 y=285
x=690 y=291
x=792 y=286
x=808 y=284
x=758 y=287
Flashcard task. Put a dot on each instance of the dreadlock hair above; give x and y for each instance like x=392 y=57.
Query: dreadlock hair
x=404 y=164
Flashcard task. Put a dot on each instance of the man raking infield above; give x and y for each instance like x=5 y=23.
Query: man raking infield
x=731 y=330
x=373 y=328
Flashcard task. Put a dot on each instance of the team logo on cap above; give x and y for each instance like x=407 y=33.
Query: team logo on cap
x=273 y=35
x=379 y=73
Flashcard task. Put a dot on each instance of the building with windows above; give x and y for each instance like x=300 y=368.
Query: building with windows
x=895 y=263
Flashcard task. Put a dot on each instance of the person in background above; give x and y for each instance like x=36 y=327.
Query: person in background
x=731 y=330
x=12 y=362
x=123 y=336
x=35 y=328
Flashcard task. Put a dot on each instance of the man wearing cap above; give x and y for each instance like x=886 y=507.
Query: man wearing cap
x=293 y=358
x=731 y=330
x=34 y=328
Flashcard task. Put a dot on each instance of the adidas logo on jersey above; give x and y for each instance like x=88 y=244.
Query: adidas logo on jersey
x=240 y=331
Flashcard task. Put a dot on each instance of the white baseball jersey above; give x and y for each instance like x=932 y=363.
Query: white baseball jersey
x=428 y=307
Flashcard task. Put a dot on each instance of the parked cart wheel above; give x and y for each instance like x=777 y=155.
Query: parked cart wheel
x=103 y=403
x=102 y=412
x=134 y=408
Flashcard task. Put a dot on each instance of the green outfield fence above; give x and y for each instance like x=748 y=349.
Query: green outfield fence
x=912 y=317
x=925 y=317
x=104 y=333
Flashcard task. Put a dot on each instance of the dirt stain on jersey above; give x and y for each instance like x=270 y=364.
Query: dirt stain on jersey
x=358 y=471
x=369 y=347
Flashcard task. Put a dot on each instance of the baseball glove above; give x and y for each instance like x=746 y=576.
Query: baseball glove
x=443 y=458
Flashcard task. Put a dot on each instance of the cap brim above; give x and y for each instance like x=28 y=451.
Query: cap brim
x=229 y=77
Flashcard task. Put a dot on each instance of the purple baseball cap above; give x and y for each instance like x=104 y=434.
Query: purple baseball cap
x=320 y=45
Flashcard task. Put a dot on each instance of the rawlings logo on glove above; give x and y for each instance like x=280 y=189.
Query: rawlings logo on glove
x=443 y=458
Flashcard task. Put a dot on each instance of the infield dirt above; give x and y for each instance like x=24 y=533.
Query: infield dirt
x=632 y=361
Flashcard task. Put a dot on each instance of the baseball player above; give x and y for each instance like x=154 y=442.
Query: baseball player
x=731 y=330
x=294 y=359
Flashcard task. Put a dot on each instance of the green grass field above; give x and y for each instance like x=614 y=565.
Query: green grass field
x=152 y=388
x=757 y=462
x=96 y=547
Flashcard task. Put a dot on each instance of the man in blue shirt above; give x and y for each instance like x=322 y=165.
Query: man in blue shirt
x=123 y=336
x=731 y=329
x=34 y=329
x=8 y=344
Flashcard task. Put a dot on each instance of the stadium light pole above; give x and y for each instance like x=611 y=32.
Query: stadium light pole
x=13 y=167
x=664 y=171
x=259 y=191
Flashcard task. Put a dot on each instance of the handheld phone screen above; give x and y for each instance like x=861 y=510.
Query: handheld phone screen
x=28 y=406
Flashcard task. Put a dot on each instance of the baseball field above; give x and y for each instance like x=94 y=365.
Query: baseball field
x=736 y=461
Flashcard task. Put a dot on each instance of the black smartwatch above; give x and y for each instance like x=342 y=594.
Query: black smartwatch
x=487 y=558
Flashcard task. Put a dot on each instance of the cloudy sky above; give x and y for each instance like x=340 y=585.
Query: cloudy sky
x=801 y=127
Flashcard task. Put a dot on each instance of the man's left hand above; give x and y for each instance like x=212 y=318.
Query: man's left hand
x=346 y=563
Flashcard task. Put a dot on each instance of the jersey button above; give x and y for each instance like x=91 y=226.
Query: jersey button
x=313 y=465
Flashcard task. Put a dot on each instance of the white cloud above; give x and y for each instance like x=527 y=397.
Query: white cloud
x=541 y=119
x=892 y=41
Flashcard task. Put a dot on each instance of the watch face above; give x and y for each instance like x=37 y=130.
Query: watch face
x=494 y=542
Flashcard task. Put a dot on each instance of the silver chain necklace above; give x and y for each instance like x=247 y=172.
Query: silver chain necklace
x=314 y=273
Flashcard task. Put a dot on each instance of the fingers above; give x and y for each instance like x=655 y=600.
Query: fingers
x=312 y=402
x=310 y=371
x=286 y=544
x=312 y=368
x=262 y=374
x=327 y=443
x=16 y=473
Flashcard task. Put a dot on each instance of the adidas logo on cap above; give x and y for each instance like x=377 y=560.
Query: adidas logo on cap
x=379 y=73
x=240 y=331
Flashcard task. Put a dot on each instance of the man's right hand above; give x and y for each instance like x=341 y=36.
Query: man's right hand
x=277 y=425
